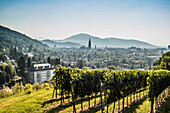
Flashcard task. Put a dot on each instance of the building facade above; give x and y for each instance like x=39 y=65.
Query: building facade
x=39 y=73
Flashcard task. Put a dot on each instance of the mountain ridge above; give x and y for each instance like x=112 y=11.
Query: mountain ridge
x=9 y=37
x=83 y=38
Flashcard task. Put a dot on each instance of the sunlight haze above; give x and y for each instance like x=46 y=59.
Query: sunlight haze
x=145 y=20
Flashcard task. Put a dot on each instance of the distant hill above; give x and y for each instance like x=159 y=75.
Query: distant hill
x=51 y=43
x=109 y=42
x=10 y=37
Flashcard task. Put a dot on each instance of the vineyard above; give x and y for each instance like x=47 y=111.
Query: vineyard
x=104 y=87
x=85 y=90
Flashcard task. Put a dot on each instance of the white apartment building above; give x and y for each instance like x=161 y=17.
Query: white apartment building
x=40 y=72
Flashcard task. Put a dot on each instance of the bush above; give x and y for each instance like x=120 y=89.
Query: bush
x=16 y=88
x=28 y=86
x=47 y=88
x=29 y=91
x=5 y=92
x=37 y=86
x=45 y=85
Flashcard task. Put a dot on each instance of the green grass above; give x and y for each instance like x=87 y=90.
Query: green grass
x=110 y=107
x=25 y=103
x=142 y=106
x=33 y=103
x=69 y=108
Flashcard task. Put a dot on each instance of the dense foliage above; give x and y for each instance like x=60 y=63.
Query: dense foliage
x=7 y=73
x=157 y=82
x=163 y=62
x=117 y=84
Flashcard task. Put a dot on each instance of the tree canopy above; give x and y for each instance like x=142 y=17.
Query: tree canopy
x=163 y=62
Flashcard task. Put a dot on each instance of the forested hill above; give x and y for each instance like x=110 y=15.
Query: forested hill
x=10 y=38
x=109 y=42
x=61 y=44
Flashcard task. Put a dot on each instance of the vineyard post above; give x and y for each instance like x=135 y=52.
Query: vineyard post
x=74 y=108
x=139 y=94
x=118 y=105
x=164 y=94
x=89 y=101
x=95 y=99
x=130 y=98
x=161 y=98
x=56 y=89
x=136 y=96
x=63 y=94
x=127 y=101
x=95 y=92
x=61 y=97
x=123 y=102
x=62 y=90
x=101 y=93
x=114 y=107
x=81 y=104
x=152 y=97
x=68 y=96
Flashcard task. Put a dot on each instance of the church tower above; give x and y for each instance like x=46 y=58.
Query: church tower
x=89 y=44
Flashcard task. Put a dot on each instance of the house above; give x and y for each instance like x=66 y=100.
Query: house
x=39 y=72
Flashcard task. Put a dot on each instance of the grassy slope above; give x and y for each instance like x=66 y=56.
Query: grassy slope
x=25 y=103
x=166 y=106
x=30 y=103
x=142 y=106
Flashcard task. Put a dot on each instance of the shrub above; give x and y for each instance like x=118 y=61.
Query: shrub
x=45 y=85
x=47 y=88
x=37 y=86
x=28 y=86
x=16 y=88
x=5 y=92
x=21 y=87
x=28 y=91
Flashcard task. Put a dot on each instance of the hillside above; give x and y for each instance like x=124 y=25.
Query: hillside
x=109 y=42
x=51 y=43
x=10 y=37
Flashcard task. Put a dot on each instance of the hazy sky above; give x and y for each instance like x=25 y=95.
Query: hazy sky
x=145 y=20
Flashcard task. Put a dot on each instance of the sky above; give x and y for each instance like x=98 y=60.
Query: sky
x=144 y=20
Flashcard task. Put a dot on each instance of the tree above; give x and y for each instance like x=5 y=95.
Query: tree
x=11 y=51
x=8 y=71
x=15 y=54
x=3 y=77
x=49 y=60
x=2 y=67
x=21 y=66
x=57 y=61
x=2 y=57
x=30 y=48
x=34 y=58
x=163 y=62
x=28 y=62
x=80 y=63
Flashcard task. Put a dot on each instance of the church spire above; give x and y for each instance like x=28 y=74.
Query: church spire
x=89 y=44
